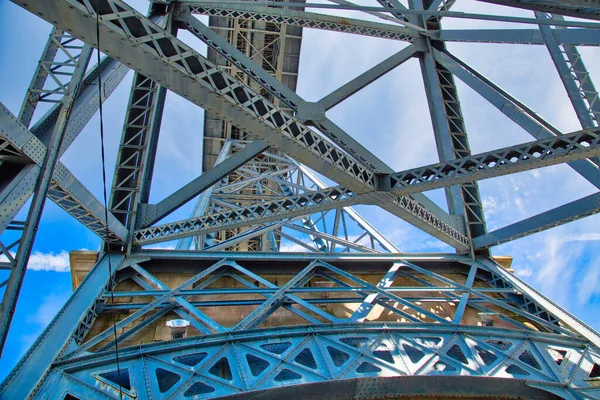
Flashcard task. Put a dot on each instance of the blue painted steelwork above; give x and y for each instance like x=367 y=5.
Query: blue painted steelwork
x=262 y=321
x=272 y=358
x=242 y=359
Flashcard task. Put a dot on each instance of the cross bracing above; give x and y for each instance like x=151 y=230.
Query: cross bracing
x=259 y=191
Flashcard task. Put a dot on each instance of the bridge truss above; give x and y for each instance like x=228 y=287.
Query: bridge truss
x=352 y=315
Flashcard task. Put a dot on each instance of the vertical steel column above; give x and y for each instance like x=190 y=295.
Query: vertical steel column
x=449 y=128
x=264 y=43
x=17 y=273
x=137 y=150
x=139 y=135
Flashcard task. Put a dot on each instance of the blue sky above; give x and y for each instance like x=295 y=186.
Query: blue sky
x=389 y=117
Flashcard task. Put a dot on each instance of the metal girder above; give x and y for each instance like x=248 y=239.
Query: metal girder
x=65 y=189
x=543 y=302
x=298 y=141
x=137 y=151
x=303 y=110
x=513 y=159
x=147 y=308
x=574 y=76
x=47 y=166
x=515 y=110
x=138 y=135
x=195 y=78
x=374 y=360
x=204 y=198
x=303 y=19
x=56 y=69
x=35 y=363
x=450 y=132
x=574 y=8
x=579 y=37
x=154 y=213
x=315 y=112
x=366 y=78
x=421 y=280
x=403 y=13
x=19 y=186
x=258 y=116
x=240 y=237
x=569 y=212
x=537 y=154
x=307 y=203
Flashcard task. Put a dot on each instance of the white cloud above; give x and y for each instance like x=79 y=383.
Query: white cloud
x=582 y=237
x=292 y=248
x=49 y=262
x=46 y=261
x=524 y=273
x=490 y=204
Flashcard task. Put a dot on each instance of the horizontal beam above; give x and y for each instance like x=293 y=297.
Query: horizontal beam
x=357 y=259
x=65 y=189
x=340 y=289
x=292 y=206
x=331 y=238
x=574 y=8
x=303 y=19
x=401 y=12
x=578 y=37
x=561 y=215
x=513 y=159
x=541 y=153
x=515 y=110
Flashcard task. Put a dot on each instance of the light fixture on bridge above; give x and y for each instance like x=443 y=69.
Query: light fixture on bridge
x=178 y=328
x=488 y=318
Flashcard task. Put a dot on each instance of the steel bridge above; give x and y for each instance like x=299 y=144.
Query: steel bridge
x=227 y=312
